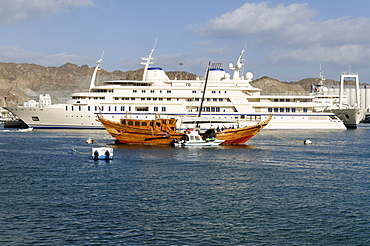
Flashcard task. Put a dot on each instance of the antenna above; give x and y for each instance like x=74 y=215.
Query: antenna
x=147 y=60
x=93 y=78
x=238 y=65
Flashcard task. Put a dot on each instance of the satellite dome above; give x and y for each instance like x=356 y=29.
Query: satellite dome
x=249 y=76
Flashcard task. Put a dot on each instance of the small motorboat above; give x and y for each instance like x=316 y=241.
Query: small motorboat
x=89 y=141
x=192 y=138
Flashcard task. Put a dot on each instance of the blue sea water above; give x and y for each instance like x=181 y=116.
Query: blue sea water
x=274 y=191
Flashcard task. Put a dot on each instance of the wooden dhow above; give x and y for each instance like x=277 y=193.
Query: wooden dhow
x=163 y=131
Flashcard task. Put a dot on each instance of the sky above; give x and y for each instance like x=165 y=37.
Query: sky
x=285 y=39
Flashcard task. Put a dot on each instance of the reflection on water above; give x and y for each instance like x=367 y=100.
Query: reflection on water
x=274 y=191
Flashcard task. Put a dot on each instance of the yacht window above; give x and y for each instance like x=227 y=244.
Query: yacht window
x=269 y=110
x=155 y=109
x=122 y=108
x=293 y=110
x=88 y=108
x=66 y=108
x=305 y=110
x=134 y=91
x=168 y=99
x=168 y=91
x=281 y=100
x=287 y=110
x=142 y=109
x=281 y=110
x=142 y=91
x=163 y=109
x=276 y=110
x=151 y=91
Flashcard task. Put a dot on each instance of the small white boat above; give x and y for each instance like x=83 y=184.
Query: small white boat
x=102 y=154
x=192 y=138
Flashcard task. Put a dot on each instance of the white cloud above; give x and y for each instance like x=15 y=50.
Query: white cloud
x=294 y=24
x=295 y=32
x=256 y=19
x=15 y=11
x=18 y=55
x=345 y=54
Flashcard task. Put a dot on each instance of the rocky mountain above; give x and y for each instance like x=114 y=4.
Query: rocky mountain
x=22 y=82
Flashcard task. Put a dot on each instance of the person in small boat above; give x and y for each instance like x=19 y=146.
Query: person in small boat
x=107 y=154
x=209 y=135
x=173 y=142
x=96 y=155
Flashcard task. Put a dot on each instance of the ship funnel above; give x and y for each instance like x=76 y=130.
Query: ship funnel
x=156 y=74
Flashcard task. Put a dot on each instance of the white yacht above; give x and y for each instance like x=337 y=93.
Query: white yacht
x=229 y=101
x=350 y=113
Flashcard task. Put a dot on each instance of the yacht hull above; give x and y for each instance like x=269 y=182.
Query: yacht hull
x=351 y=117
x=56 y=117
